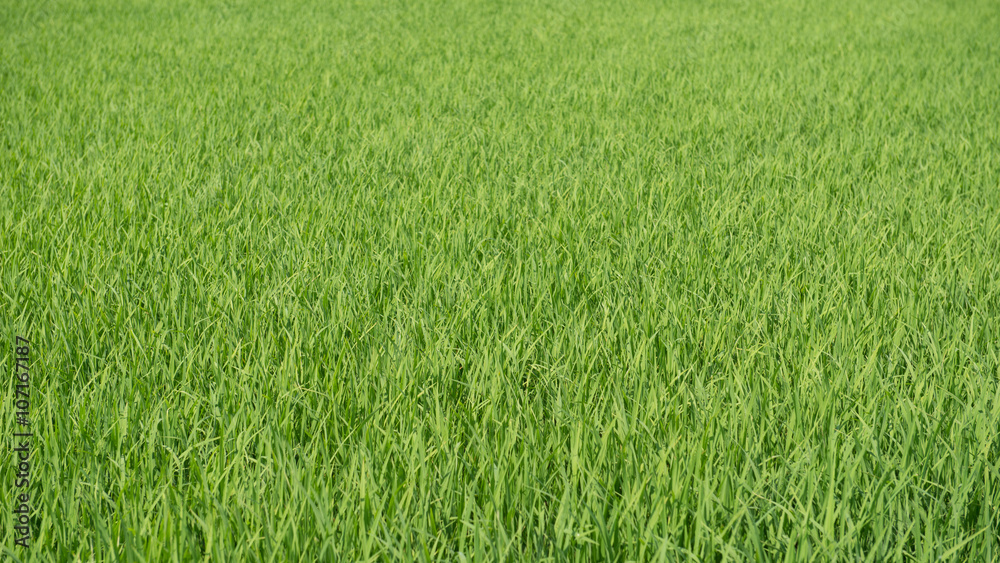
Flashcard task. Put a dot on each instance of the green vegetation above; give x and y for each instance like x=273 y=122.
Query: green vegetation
x=491 y=281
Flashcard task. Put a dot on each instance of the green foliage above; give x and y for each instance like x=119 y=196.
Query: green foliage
x=497 y=281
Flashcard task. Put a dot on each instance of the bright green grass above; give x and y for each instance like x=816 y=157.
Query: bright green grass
x=452 y=280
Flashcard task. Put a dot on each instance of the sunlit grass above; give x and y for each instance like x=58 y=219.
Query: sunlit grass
x=564 y=281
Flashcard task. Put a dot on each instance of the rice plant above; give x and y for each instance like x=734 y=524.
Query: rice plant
x=497 y=280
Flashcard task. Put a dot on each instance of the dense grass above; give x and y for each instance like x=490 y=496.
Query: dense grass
x=487 y=281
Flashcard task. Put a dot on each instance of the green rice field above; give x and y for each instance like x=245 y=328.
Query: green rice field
x=496 y=280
